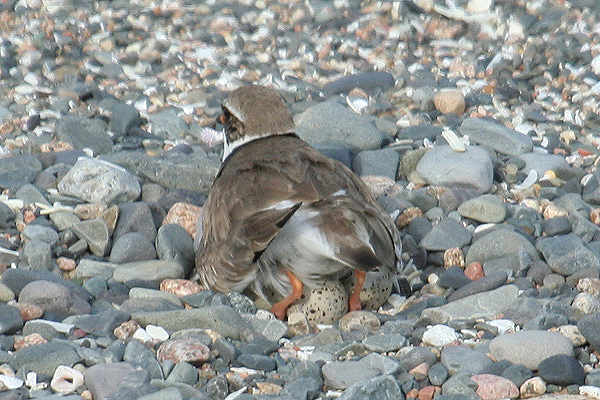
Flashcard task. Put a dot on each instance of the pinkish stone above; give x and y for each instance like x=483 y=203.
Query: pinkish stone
x=190 y=350
x=493 y=387
x=474 y=271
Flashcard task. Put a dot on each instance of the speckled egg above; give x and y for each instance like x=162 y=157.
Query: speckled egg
x=323 y=305
x=375 y=291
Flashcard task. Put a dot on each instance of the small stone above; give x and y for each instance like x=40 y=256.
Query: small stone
x=530 y=347
x=89 y=210
x=132 y=246
x=454 y=256
x=190 y=350
x=29 y=340
x=174 y=243
x=149 y=270
x=450 y=101
x=561 y=369
x=487 y=208
x=567 y=254
x=489 y=282
x=98 y=181
x=185 y=215
x=439 y=335
x=493 y=387
x=572 y=333
x=532 y=387
x=95 y=233
x=384 y=343
x=474 y=271
x=29 y=311
x=54 y=298
x=447 y=234
x=589 y=285
x=407 y=215
x=126 y=330
x=420 y=371
x=66 y=264
x=459 y=359
x=180 y=287
x=428 y=392
x=478 y=6
x=10 y=319
x=66 y=380
x=359 y=320
x=498 y=137
x=84 y=132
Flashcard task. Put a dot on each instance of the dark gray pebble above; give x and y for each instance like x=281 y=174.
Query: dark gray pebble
x=561 y=370
x=364 y=80
x=589 y=327
x=484 y=284
x=556 y=226
x=257 y=361
x=132 y=246
x=10 y=319
x=517 y=374
x=453 y=277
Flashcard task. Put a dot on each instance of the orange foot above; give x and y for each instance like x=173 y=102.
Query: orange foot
x=279 y=309
x=354 y=302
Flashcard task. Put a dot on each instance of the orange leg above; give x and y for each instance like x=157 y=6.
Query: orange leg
x=354 y=302
x=280 y=308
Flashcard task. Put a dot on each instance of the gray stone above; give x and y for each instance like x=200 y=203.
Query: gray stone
x=542 y=162
x=448 y=233
x=487 y=208
x=302 y=388
x=122 y=118
x=149 y=270
x=169 y=393
x=379 y=388
x=54 y=298
x=40 y=232
x=257 y=361
x=589 y=327
x=566 y=254
x=84 y=132
x=194 y=172
x=100 y=324
x=443 y=166
x=271 y=329
x=142 y=357
x=17 y=170
x=37 y=255
x=95 y=233
x=460 y=386
x=499 y=243
x=144 y=304
x=420 y=132
x=168 y=123
x=463 y=359
x=343 y=374
x=102 y=380
x=10 y=320
x=384 y=343
x=17 y=278
x=416 y=356
x=331 y=123
x=175 y=243
x=437 y=374
x=45 y=358
x=99 y=181
x=556 y=226
x=489 y=282
x=453 y=277
x=364 y=80
x=591 y=190
x=183 y=372
x=482 y=305
x=31 y=195
x=132 y=246
x=88 y=268
x=561 y=370
x=135 y=217
x=222 y=319
x=63 y=220
x=530 y=347
x=517 y=374
x=495 y=136
x=377 y=162
x=46 y=330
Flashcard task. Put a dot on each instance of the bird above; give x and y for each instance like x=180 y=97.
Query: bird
x=281 y=216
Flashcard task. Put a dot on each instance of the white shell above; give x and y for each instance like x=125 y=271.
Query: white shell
x=66 y=380
x=456 y=143
x=532 y=178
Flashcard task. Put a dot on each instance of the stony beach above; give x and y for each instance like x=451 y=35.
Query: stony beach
x=476 y=123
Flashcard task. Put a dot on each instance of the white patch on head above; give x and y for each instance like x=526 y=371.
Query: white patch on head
x=228 y=148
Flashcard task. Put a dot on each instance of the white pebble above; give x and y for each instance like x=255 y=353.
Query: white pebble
x=503 y=325
x=11 y=382
x=439 y=335
x=478 y=6
x=66 y=380
x=142 y=336
x=592 y=391
x=596 y=65
x=157 y=332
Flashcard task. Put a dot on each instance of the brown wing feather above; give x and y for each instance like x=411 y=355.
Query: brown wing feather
x=263 y=174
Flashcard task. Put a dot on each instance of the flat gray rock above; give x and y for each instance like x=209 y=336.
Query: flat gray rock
x=332 y=123
x=499 y=243
x=495 y=136
x=379 y=388
x=443 y=166
x=54 y=298
x=222 y=319
x=541 y=162
x=530 y=347
x=481 y=305
x=95 y=233
x=487 y=208
x=448 y=233
x=459 y=359
x=84 y=132
x=567 y=254
x=377 y=162
x=149 y=270
x=98 y=181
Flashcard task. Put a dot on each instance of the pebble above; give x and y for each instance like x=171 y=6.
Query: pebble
x=532 y=387
x=496 y=136
x=66 y=380
x=190 y=350
x=486 y=208
x=492 y=387
x=530 y=348
x=148 y=270
x=449 y=101
x=443 y=166
x=132 y=246
x=439 y=335
x=561 y=369
x=567 y=254
x=462 y=359
x=447 y=234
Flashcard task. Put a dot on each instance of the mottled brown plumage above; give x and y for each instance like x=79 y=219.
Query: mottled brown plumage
x=280 y=210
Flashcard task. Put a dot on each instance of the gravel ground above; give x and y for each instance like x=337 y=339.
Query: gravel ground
x=474 y=122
